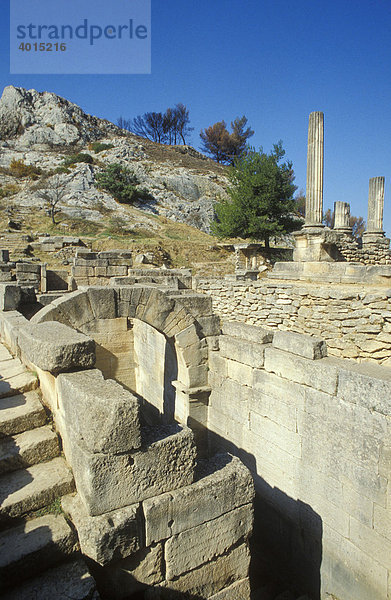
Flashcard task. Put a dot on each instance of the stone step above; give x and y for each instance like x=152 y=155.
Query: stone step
x=20 y=413
x=33 y=547
x=29 y=489
x=69 y=581
x=15 y=379
x=5 y=353
x=27 y=449
x=10 y=368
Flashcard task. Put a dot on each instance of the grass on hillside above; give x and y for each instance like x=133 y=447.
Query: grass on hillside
x=173 y=243
x=176 y=244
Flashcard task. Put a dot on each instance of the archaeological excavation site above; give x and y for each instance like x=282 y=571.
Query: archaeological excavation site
x=177 y=433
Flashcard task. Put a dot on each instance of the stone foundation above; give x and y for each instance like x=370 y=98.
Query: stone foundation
x=146 y=519
x=315 y=433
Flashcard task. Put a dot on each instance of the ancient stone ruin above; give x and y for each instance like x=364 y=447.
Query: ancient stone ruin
x=316 y=243
x=158 y=430
x=163 y=411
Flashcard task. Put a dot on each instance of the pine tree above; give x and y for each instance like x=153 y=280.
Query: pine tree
x=260 y=202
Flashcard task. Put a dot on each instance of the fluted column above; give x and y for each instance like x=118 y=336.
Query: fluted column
x=342 y=216
x=314 y=192
x=375 y=205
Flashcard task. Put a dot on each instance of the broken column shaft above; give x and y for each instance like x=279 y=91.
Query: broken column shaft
x=375 y=205
x=342 y=216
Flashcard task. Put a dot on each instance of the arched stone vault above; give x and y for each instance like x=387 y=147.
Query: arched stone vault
x=185 y=319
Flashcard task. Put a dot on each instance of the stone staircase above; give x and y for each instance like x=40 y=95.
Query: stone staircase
x=38 y=549
x=18 y=244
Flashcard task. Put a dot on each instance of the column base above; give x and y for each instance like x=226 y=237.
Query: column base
x=344 y=230
x=314 y=226
x=373 y=236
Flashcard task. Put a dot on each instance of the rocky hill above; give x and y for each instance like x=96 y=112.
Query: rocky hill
x=43 y=129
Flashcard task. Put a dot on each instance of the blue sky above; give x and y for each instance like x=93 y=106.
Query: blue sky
x=274 y=61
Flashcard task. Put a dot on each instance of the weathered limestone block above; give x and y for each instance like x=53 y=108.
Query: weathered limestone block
x=117 y=271
x=76 y=308
x=247 y=352
x=103 y=302
x=320 y=374
x=158 y=308
x=218 y=364
x=228 y=486
x=72 y=309
x=247 y=332
x=289 y=270
x=209 y=325
x=187 y=337
x=86 y=254
x=243 y=374
x=177 y=321
x=5 y=275
x=307 y=346
x=132 y=574
x=82 y=271
x=366 y=385
x=108 y=537
x=120 y=252
x=127 y=296
x=10 y=296
x=106 y=482
x=193 y=376
x=233 y=399
x=198 y=305
x=103 y=416
x=24 y=268
x=201 y=544
x=10 y=324
x=277 y=388
x=208 y=579
x=239 y=589
x=54 y=347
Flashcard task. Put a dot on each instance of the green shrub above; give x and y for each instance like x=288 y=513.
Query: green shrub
x=19 y=169
x=62 y=169
x=9 y=189
x=77 y=158
x=121 y=183
x=100 y=146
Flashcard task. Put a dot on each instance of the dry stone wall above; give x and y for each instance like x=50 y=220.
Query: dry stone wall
x=315 y=431
x=374 y=252
x=355 y=322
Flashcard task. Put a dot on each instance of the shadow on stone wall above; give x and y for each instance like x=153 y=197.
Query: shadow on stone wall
x=170 y=375
x=119 y=582
x=286 y=545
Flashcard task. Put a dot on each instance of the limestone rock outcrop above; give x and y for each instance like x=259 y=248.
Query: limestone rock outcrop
x=45 y=118
x=41 y=129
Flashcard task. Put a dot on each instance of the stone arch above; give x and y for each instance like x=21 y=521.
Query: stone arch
x=172 y=314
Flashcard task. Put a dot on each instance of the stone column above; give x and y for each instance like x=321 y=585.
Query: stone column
x=342 y=217
x=375 y=205
x=314 y=192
